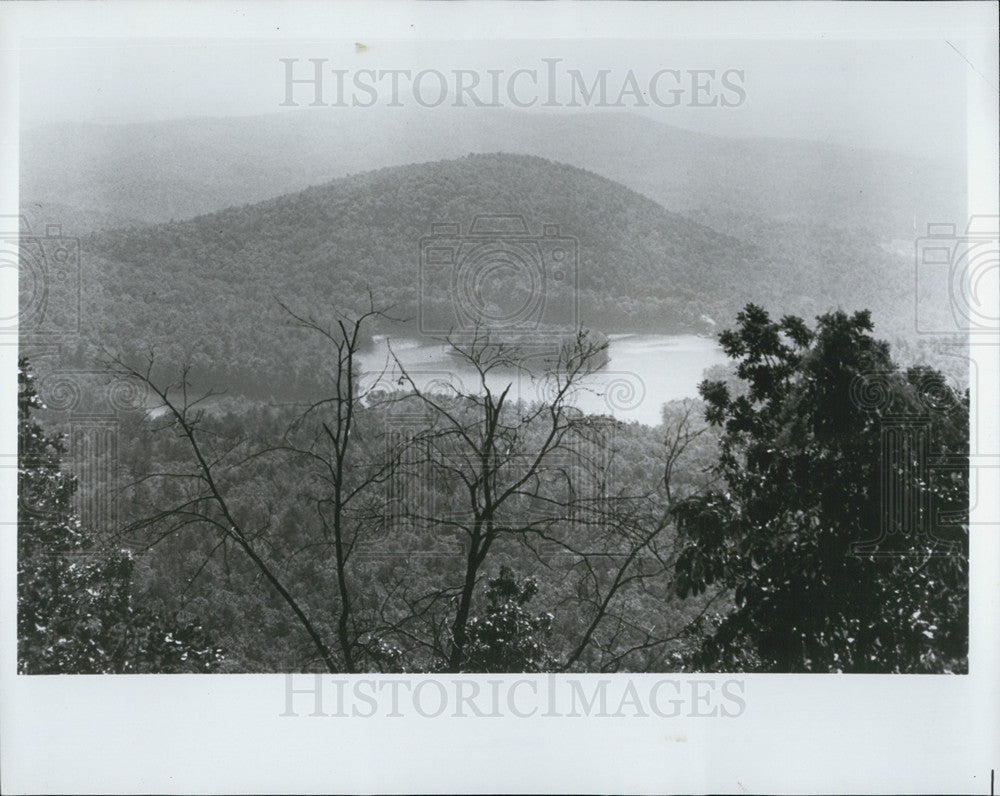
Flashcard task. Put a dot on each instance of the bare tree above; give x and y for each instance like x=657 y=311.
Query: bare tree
x=630 y=562
x=506 y=457
x=327 y=437
x=337 y=476
x=507 y=465
x=204 y=502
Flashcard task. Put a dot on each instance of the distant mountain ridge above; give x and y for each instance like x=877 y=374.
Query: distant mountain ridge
x=158 y=171
x=208 y=288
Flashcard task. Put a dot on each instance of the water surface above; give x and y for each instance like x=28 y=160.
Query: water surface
x=643 y=372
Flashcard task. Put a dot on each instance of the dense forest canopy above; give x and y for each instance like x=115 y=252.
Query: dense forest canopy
x=454 y=528
x=208 y=291
x=283 y=511
x=78 y=606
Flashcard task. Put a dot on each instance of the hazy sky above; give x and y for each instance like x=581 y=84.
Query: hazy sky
x=908 y=95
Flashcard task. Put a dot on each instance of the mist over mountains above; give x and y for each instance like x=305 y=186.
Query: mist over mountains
x=211 y=286
x=155 y=172
x=195 y=229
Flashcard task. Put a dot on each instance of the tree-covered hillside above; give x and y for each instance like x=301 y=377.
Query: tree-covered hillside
x=208 y=289
x=457 y=528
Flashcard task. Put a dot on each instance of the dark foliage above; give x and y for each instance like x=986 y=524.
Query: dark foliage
x=508 y=637
x=826 y=440
x=77 y=611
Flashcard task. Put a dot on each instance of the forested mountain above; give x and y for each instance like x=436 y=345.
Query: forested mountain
x=209 y=288
x=342 y=536
x=355 y=535
x=176 y=169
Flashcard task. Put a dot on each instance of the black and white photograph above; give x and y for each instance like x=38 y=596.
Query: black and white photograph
x=491 y=397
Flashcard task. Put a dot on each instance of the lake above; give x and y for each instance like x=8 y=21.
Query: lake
x=643 y=372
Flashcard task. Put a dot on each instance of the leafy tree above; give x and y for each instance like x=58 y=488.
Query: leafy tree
x=508 y=637
x=807 y=478
x=76 y=608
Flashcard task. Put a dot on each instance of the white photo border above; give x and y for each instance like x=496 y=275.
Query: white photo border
x=224 y=733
